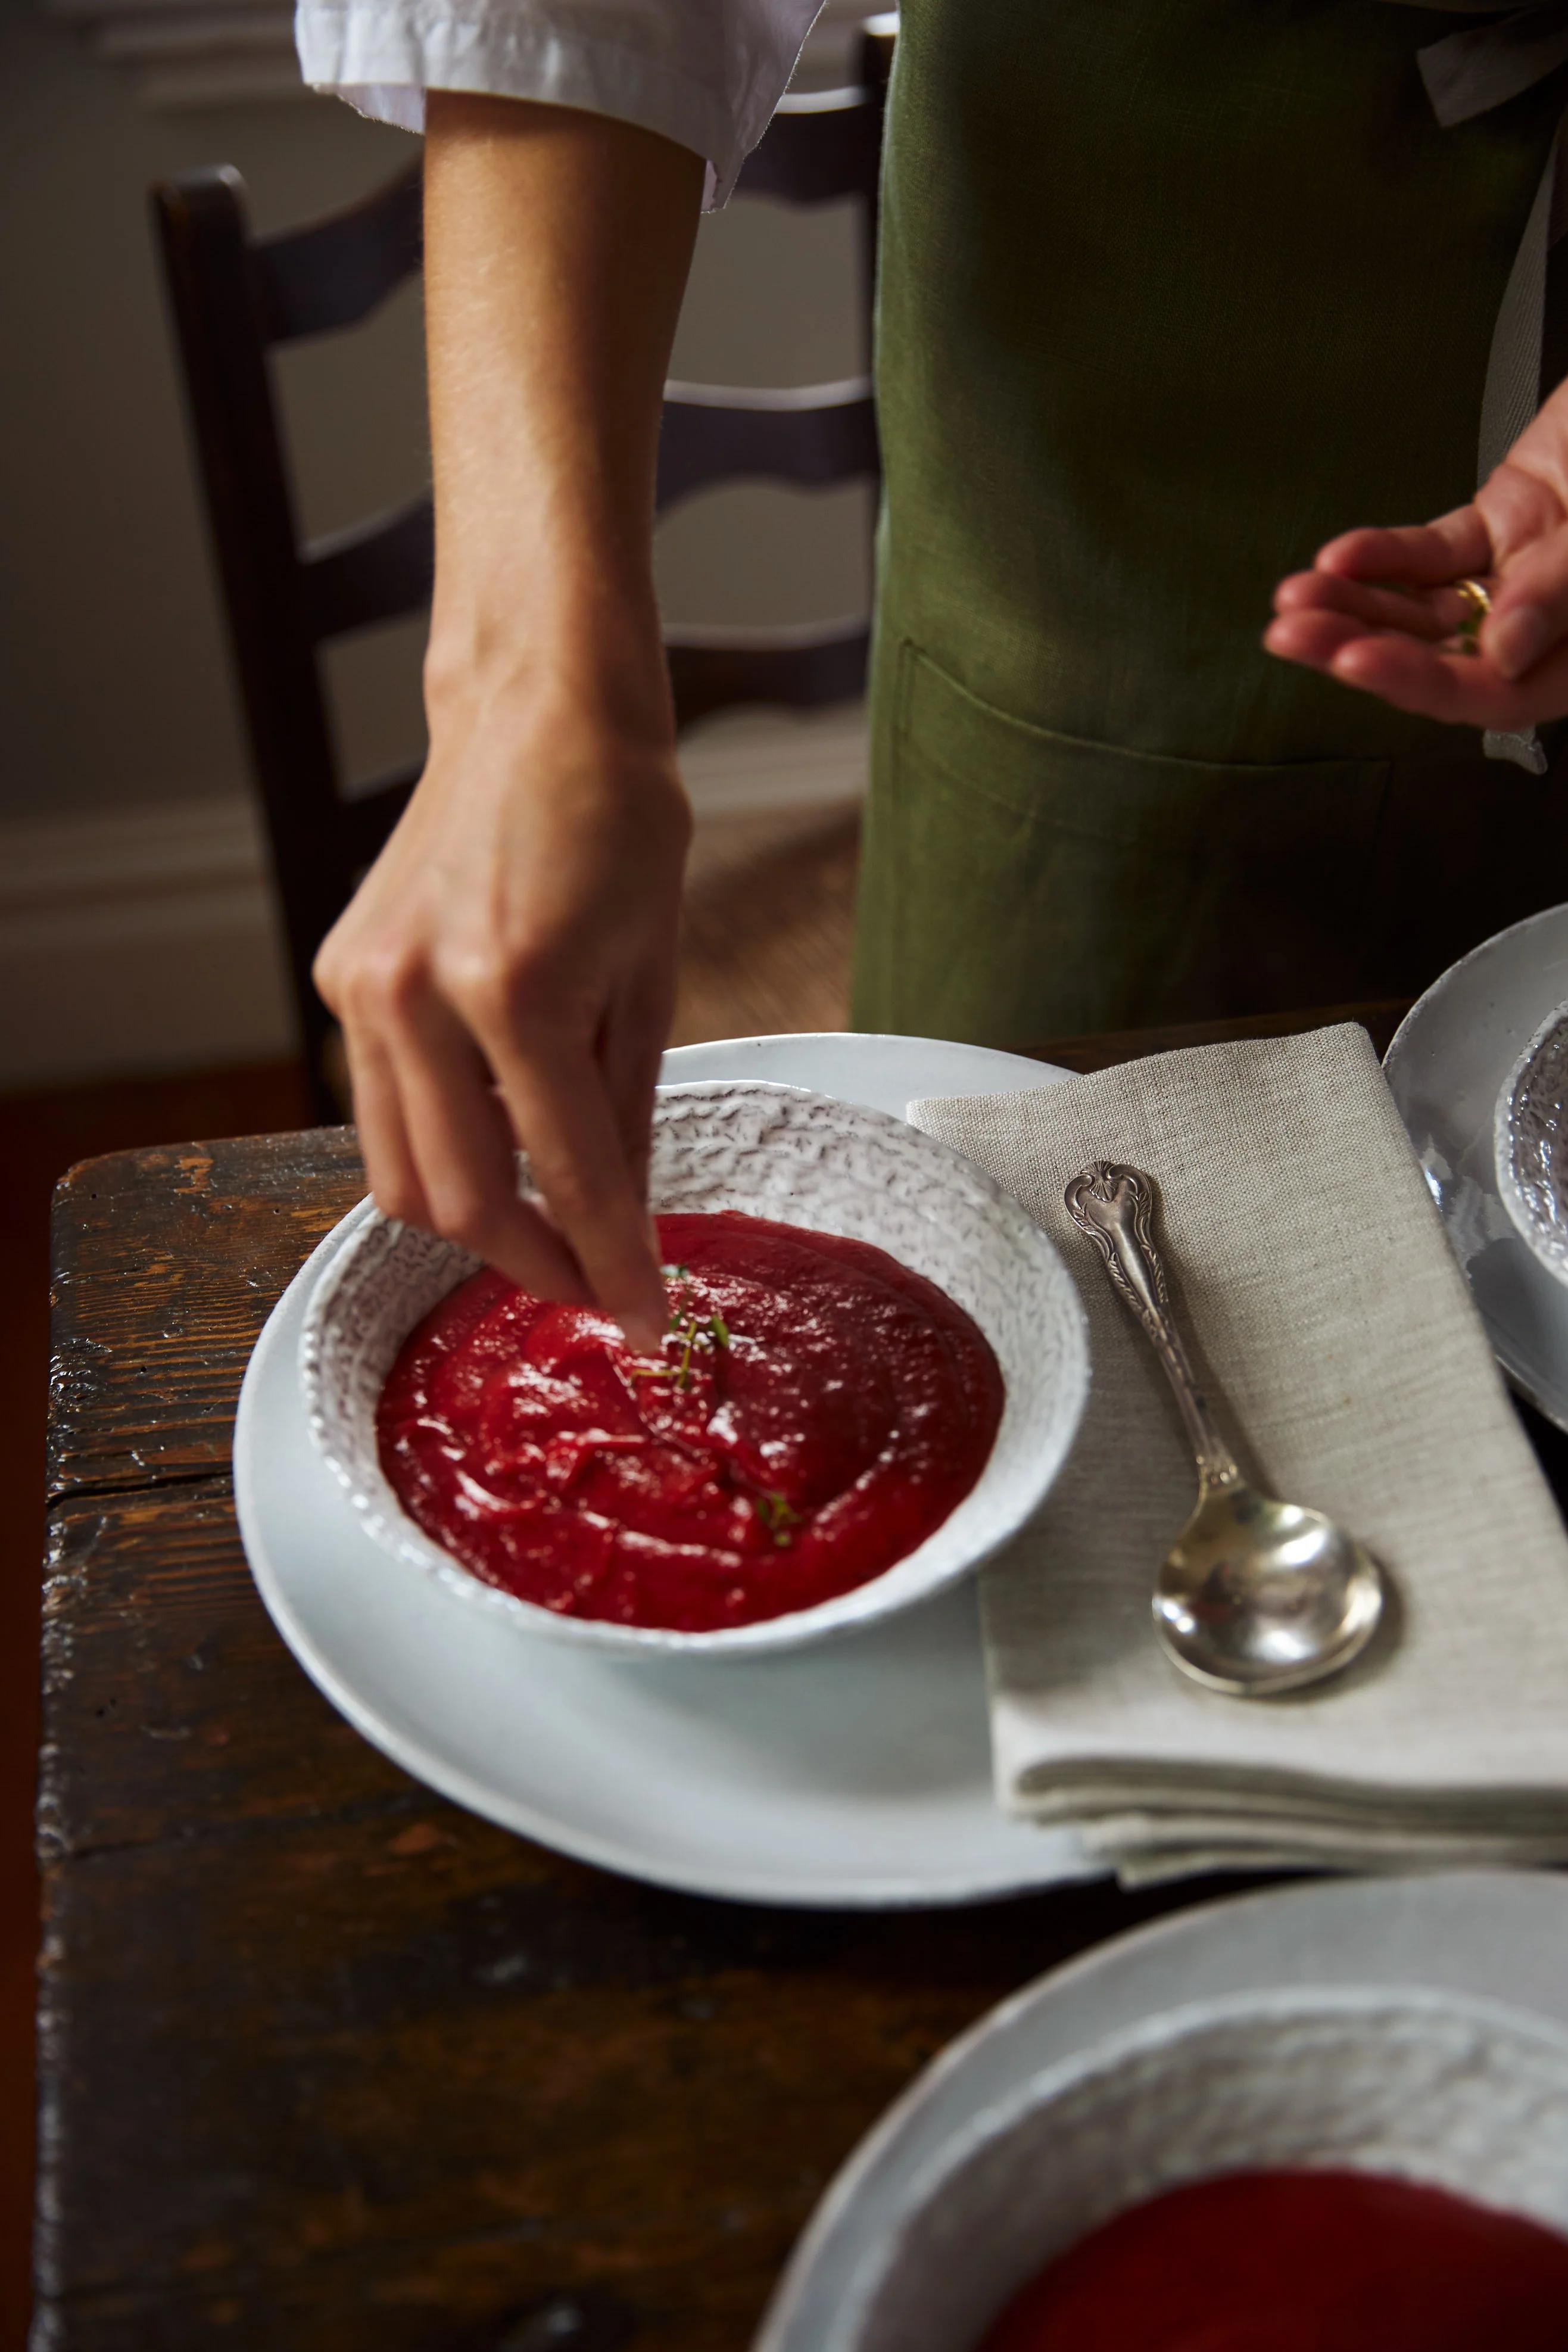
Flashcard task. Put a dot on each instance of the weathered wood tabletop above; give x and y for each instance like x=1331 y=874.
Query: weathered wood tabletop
x=326 y=2061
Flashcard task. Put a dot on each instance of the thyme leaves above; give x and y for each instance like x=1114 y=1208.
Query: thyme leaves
x=691 y=1330
x=777 y=1516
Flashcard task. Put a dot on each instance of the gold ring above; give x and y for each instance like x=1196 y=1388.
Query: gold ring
x=1476 y=598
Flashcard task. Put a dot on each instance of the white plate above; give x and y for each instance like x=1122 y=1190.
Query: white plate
x=858 y=1776
x=1501 y=1936
x=1446 y=1067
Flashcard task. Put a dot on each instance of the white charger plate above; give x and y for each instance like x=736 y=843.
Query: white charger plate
x=858 y=1775
x=1447 y=1064
x=1499 y=1935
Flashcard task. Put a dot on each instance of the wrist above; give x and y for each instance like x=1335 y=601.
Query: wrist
x=595 y=652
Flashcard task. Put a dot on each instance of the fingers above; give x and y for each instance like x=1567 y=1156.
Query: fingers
x=1418 y=678
x=1430 y=613
x=1425 y=554
x=1466 y=690
x=440 y=1149
x=465 y=1154
x=1378 y=604
x=1402 y=669
x=557 y=1097
x=1530 y=608
x=1384 y=644
x=389 y=1167
x=1312 y=638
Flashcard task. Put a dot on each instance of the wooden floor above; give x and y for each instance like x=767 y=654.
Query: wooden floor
x=767 y=949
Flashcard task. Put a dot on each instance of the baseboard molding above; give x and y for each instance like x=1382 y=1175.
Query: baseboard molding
x=138 y=942
x=146 y=941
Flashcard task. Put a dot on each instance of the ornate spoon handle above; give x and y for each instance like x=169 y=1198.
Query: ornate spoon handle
x=1115 y=1206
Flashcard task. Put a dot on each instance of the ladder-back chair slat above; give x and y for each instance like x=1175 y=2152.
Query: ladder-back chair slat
x=816 y=436
x=821 y=148
x=802 y=668
x=335 y=271
x=376 y=571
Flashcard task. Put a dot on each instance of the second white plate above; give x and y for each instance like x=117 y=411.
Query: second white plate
x=1501 y=1935
x=851 y=1776
x=1446 y=1067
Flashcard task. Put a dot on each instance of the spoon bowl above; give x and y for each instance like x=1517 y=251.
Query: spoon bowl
x=1256 y=1596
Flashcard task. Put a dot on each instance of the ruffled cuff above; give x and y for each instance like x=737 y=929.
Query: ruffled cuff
x=382 y=57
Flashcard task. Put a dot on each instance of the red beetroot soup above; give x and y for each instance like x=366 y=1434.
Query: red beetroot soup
x=818 y=1410
x=1298 y=2262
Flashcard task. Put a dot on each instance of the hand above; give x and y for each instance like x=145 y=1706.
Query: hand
x=1379 y=611
x=506 y=975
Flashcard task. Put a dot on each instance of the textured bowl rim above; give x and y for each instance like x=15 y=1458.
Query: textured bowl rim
x=1550 y=1248
x=398 y=1535
x=1168 y=2032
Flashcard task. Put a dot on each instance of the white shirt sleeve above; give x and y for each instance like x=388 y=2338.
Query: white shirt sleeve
x=707 y=73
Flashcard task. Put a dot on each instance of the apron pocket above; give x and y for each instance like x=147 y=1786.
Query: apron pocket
x=1023 y=885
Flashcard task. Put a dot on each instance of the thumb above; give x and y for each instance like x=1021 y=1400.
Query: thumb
x=1518 y=509
x=1529 y=618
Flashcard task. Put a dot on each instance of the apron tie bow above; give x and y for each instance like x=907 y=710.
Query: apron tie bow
x=1471 y=72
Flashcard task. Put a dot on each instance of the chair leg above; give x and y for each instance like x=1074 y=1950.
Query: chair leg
x=326 y=1069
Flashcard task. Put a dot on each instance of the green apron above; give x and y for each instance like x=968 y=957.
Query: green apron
x=1171 y=291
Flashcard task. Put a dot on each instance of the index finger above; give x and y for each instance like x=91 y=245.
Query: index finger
x=462 y=1147
x=1467 y=691
x=1423 y=553
x=560 y=1108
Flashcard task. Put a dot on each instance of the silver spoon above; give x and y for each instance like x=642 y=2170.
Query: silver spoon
x=1255 y=1596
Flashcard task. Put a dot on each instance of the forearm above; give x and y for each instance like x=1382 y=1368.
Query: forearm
x=557 y=249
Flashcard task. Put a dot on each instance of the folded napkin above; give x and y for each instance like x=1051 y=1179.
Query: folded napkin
x=1338 y=1342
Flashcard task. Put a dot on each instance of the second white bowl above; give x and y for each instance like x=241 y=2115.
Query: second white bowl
x=1463 y=2095
x=1531 y=1144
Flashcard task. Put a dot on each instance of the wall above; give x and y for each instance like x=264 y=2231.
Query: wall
x=135 y=929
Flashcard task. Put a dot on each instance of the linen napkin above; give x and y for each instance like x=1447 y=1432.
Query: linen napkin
x=1337 y=1340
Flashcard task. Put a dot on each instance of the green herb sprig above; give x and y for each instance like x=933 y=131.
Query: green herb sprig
x=778 y=1516
x=692 y=1332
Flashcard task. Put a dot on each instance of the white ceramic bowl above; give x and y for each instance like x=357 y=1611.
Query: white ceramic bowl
x=1461 y=2094
x=802 y=1159
x=1531 y=1144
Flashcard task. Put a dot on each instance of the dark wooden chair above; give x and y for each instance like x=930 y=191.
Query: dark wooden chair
x=236 y=297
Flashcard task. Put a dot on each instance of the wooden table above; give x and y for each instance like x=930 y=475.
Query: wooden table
x=326 y=2063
